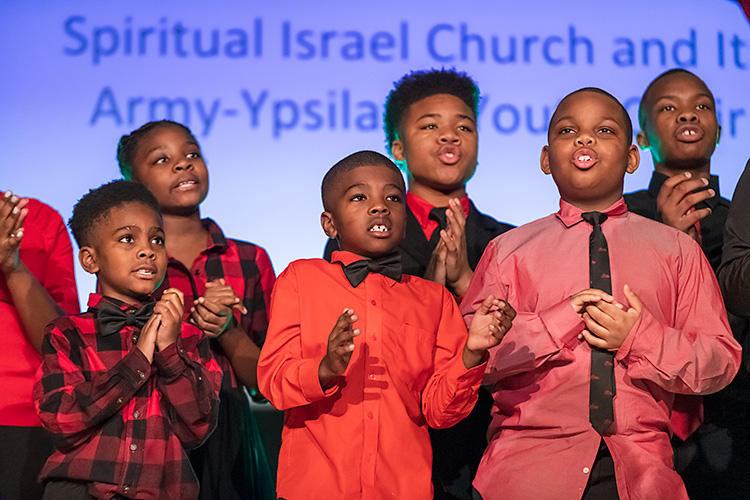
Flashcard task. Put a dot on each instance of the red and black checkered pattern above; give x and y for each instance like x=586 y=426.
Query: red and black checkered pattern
x=123 y=423
x=245 y=267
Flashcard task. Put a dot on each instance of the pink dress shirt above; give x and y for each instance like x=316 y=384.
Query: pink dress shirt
x=541 y=444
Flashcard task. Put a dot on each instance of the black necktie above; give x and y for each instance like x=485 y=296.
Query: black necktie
x=388 y=265
x=111 y=319
x=602 y=385
x=438 y=214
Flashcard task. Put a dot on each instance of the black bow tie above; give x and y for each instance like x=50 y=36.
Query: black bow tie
x=388 y=265
x=111 y=319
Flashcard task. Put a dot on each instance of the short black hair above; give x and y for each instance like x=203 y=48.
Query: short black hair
x=95 y=205
x=642 y=108
x=418 y=85
x=128 y=144
x=625 y=116
x=354 y=160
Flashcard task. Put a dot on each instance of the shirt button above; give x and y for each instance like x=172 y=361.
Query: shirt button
x=200 y=378
x=135 y=338
x=197 y=272
x=373 y=302
x=370 y=415
x=136 y=414
x=182 y=351
x=133 y=447
x=119 y=401
x=585 y=470
x=373 y=376
x=142 y=375
x=125 y=488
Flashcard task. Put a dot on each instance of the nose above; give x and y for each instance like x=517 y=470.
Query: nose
x=183 y=164
x=379 y=207
x=146 y=252
x=448 y=136
x=584 y=138
x=688 y=116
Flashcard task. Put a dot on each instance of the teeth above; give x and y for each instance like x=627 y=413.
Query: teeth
x=186 y=183
x=584 y=158
x=144 y=271
x=379 y=228
x=689 y=132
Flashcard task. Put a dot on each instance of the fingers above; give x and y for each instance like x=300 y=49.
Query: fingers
x=635 y=301
x=171 y=304
x=589 y=295
x=595 y=341
x=678 y=197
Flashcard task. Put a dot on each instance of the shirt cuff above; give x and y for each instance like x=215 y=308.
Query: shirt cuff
x=563 y=323
x=135 y=368
x=169 y=362
x=636 y=346
x=310 y=382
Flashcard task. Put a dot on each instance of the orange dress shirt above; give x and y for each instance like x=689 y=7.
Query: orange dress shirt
x=365 y=437
x=542 y=445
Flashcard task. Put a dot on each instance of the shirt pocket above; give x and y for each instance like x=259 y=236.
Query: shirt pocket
x=410 y=356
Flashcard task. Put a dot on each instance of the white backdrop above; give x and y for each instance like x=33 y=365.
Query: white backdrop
x=276 y=92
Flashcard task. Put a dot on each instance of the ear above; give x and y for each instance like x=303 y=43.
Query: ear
x=544 y=160
x=326 y=221
x=718 y=133
x=634 y=159
x=642 y=139
x=397 y=150
x=87 y=258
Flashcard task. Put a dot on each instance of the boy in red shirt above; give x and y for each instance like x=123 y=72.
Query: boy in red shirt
x=585 y=382
x=359 y=397
x=126 y=387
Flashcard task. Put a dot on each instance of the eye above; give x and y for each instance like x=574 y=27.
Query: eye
x=161 y=159
x=606 y=130
x=567 y=130
x=358 y=197
x=158 y=240
x=393 y=197
x=126 y=238
x=464 y=128
x=668 y=107
x=703 y=106
x=429 y=126
x=193 y=155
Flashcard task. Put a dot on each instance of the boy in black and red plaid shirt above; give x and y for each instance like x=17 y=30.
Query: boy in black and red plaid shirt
x=126 y=386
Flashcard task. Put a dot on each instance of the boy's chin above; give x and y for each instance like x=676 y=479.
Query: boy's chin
x=373 y=253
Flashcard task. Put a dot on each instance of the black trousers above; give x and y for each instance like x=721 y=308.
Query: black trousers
x=23 y=451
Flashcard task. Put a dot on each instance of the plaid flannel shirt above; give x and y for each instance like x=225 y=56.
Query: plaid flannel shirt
x=122 y=423
x=245 y=267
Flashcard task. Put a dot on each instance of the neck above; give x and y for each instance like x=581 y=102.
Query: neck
x=698 y=171
x=593 y=206
x=434 y=197
x=180 y=229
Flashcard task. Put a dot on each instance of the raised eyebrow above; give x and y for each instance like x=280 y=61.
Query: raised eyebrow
x=359 y=185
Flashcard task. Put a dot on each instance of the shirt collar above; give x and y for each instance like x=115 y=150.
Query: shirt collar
x=95 y=299
x=658 y=178
x=216 y=239
x=571 y=215
x=421 y=207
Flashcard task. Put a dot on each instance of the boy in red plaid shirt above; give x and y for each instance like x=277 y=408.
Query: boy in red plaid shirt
x=125 y=386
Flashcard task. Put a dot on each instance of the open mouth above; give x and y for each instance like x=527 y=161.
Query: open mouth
x=689 y=133
x=449 y=155
x=380 y=228
x=145 y=272
x=186 y=184
x=584 y=158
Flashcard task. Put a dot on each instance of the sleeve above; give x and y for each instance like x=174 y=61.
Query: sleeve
x=536 y=337
x=59 y=277
x=257 y=296
x=734 y=271
x=189 y=378
x=285 y=378
x=72 y=400
x=451 y=391
x=698 y=355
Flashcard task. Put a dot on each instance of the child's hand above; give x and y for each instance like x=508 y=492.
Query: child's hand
x=608 y=324
x=340 y=347
x=436 y=267
x=677 y=199
x=489 y=325
x=213 y=312
x=12 y=215
x=580 y=300
x=170 y=308
x=147 y=340
x=457 y=270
